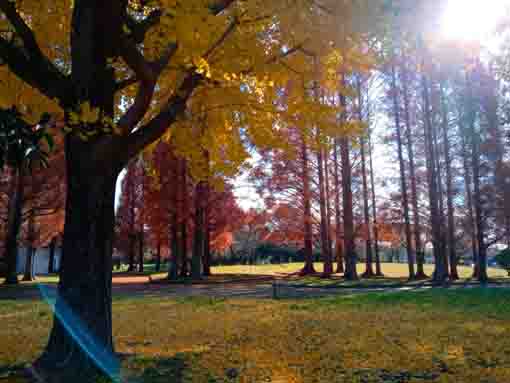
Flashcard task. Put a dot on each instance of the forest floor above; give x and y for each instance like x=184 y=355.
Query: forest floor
x=434 y=335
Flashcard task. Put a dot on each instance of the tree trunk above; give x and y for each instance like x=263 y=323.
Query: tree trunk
x=207 y=232
x=369 y=270
x=454 y=275
x=350 y=252
x=441 y=271
x=198 y=235
x=28 y=275
x=378 y=271
x=141 y=245
x=131 y=253
x=184 y=220
x=14 y=224
x=338 y=232
x=328 y=207
x=80 y=345
x=307 y=223
x=51 y=261
x=418 y=246
x=326 y=256
x=403 y=183
x=158 y=257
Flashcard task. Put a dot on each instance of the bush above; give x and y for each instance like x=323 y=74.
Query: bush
x=503 y=260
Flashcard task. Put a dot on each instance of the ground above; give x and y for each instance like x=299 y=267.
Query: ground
x=421 y=335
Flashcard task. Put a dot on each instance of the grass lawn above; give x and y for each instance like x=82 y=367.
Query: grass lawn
x=425 y=336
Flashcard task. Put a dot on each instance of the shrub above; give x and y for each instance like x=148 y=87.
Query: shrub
x=503 y=260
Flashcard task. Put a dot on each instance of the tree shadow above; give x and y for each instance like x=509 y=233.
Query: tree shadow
x=176 y=369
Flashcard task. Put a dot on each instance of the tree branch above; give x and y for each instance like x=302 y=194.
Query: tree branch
x=154 y=129
x=31 y=66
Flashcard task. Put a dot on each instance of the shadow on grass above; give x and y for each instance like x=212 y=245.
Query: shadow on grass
x=178 y=369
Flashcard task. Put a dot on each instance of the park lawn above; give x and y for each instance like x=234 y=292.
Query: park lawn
x=425 y=336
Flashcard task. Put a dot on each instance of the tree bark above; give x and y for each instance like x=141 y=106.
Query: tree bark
x=81 y=344
x=29 y=264
x=307 y=222
x=378 y=271
x=184 y=220
x=350 y=252
x=51 y=261
x=454 y=274
x=14 y=224
x=207 y=232
x=418 y=246
x=403 y=183
x=441 y=271
x=158 y=257
x=198 y=235
x=141 y=248
x=338 y=232
x=369 y=270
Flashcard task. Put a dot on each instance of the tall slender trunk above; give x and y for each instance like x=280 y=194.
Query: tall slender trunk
x=326 y=256
x=198 y=235
x=131 y=252
x=441 y=271
x=28 y=275
x=454 y=275
x=420 y=254
x=403 y=183
x=369 y=270
x=307 y=222
x=184 y=220
x=206 y=262
x=13 y=226
x=158 y=256
x=440 y=191
x=328 y=205
x=173 y=211
x=469 y=204
x=338 y=232
x=378 y=271
x=51 y=260
x=350 y=251
x=477 y=193
x=141 y=248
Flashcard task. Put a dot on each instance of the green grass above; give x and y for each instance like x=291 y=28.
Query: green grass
x=434 y=335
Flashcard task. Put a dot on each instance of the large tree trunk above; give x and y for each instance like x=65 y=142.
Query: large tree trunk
x=207 y=232
x=403 y=183
x=81 y=343
x=307 y=222
x=13 y=227
x=454 y=275
x=418 y=246
x=28 y=275
x=328 y=207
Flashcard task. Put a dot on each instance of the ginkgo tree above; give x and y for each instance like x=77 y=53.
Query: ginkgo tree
x=123 y=74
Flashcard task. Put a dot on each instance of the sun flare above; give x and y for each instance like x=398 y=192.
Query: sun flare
x=473 y=20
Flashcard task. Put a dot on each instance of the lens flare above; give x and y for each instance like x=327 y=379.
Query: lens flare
x=104 y=359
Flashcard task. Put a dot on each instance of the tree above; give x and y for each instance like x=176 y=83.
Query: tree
x=503 y=260
x=22 y=147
